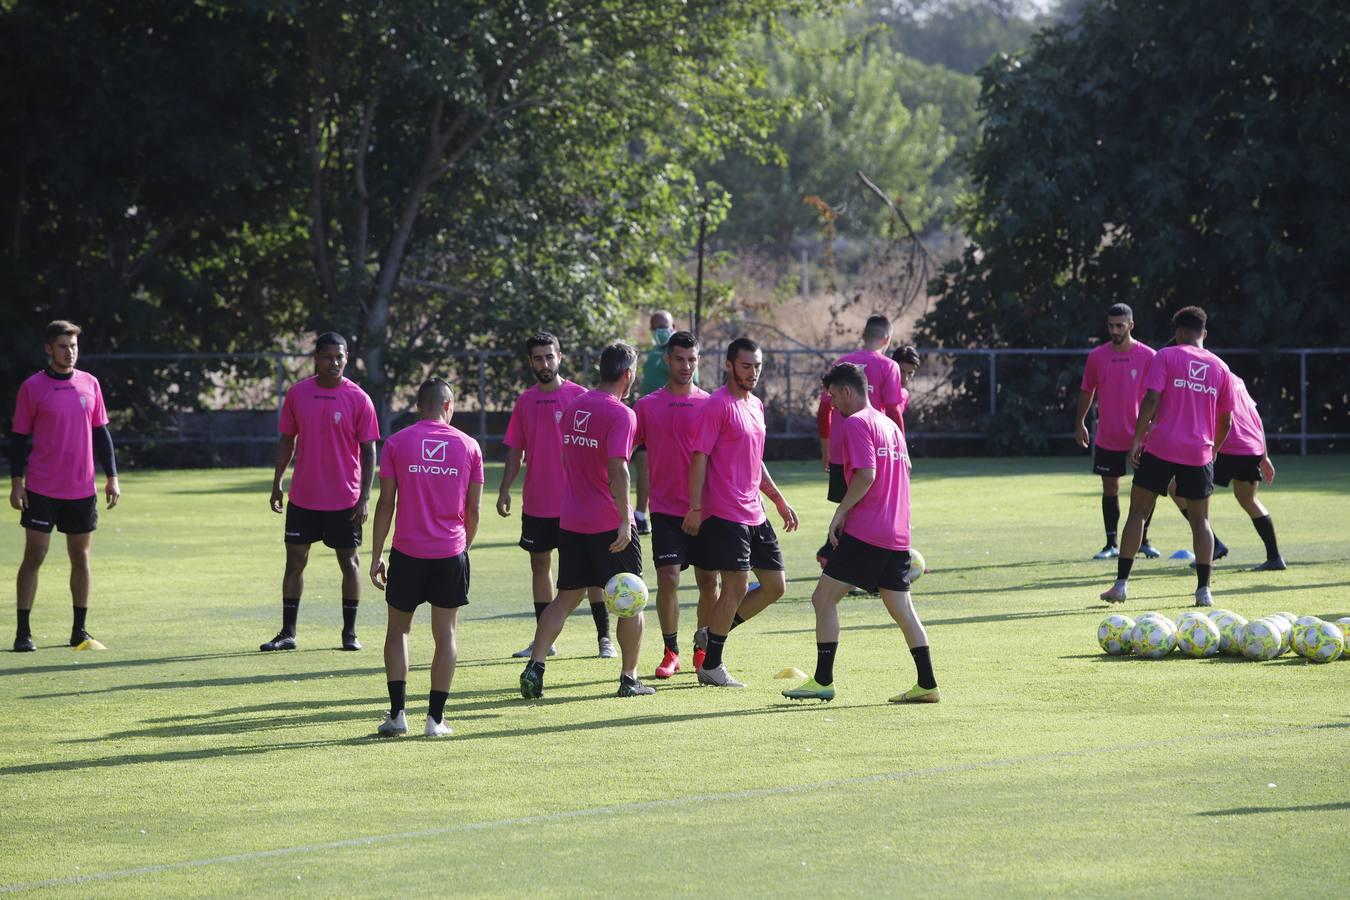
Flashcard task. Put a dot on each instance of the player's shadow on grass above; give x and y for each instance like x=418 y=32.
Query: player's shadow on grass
x=262 y=487
x=231 y=681
x=121 y=663
x=962 y=620
x=370 y=714
x=1257 y=810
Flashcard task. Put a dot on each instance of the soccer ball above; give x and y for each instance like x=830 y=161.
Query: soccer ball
x=1114 y=634
x=1286 y=630
x=625 y=595
x=1197 y=636
x=1261 y=640
x=1344 y=622
x=917 y=565
x=1227 y=623
x=1289 y=617
x=1153 y=638
x=1323 y=642
x=1296 y=635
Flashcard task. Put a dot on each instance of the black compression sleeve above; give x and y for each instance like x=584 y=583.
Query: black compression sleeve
x=103 y=451
x=19 y=445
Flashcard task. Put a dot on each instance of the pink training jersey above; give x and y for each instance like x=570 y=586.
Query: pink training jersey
x=596 y=429
x=329 y=426
x=60 y=415
x=873 y=441
x=433 y=466
x=1247 y=437
x=883 y=392
x=1195 y=388
x=1118 y=379
x=731 y=434
x=667 y=423
x=536 y=428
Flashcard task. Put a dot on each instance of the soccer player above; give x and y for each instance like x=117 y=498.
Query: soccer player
x=726 y=476
x=597 y=538
x=907 y=358
x=1185 y=414
x=884 y=383
x=654 y=376
x=431 y=475
x=1115 y=375
x=59 y=427
x=1244 y=462
x=534 y=435
x=669 y=416
x=329 y=426
x=870 y=532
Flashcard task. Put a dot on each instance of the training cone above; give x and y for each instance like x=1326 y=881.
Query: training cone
x=90 y=644
x=1183 y=554
x=791 y=672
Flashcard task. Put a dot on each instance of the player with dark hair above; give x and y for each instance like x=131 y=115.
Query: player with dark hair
x=886 y=389
x=597 y=538
x=870 y=532
x=1186 y=413
x=1243 y=461
x=431 y=476
x=669 y=416
x=726 y=476
x=907 y=358
x=654 y=377
x=1114 y=374
x=60 y=426
x=534 y=436
x=328 y=425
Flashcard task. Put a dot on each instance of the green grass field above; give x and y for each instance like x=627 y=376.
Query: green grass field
x=183 y=762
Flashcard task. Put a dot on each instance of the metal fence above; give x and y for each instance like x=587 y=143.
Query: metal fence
x=972 y=398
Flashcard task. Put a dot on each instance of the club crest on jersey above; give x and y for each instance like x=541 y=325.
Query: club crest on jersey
x=557 y=415
x=84 y=401
x=337 y=418
x=1134 y=373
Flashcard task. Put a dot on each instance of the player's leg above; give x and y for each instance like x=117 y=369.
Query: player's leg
x=541 y=587
x=1245 y=492
x=1110 y=516
x=35 y=547
x=349 y=562
x=600 y=616
x=772 y=586
x=825 y=600
x=443 y=626
x=1202 y=538
x=901 y=607
x=629 y=630
x=78 y=547
x=735 y=584
x=1143 y=497
x=668 y=615
x=546 y=632
x=396 y=668
x=707 y=582
x=1183 y=506
x=292 y=588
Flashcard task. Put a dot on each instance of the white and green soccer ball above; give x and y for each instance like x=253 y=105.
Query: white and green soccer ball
x=1228 y=623
x=1323 y=642
x=917 y=565
x=1284 y=627
x=1344 y=622
x=1153 y=638
x=625 y=595
x=1289 y=617
x=1262 y=640
x=1114 y=634
x=1296 y=635
x=1197 y=636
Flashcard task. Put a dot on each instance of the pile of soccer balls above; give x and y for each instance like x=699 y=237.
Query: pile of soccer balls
x=1219 y=631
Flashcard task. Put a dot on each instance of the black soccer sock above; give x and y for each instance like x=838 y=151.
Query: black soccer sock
x=1111 y=517
x=539 y=610
x=23 y=630
x=1202 y=576
x=79 y=614
x=600 y=613
x=1123 y=567
x=533 y=666
x=924 y=665
x=1266 y=529
x=349 y=615
x=736 y=620
x=398 y=692
x=825 y=652
x=436 y=705
x=715 y=644
x=672 y=642
x=290 y=611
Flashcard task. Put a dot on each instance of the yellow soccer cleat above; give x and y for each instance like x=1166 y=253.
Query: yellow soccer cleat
x=918 y=694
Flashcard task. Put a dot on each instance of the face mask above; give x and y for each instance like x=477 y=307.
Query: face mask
x=661 y=335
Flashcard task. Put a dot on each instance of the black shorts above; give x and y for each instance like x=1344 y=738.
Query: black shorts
x=584 y=560
x=1229 y=468
x=670 y=545
x=838 y=487
x=1110 y=463
x=1193 y=482
x=443 y=583
x=725 y=546
x=67 y=516
x=868 y=566
x=332 y=526
x=538 y=535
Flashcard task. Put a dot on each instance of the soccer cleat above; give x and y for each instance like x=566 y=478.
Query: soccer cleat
x=718 y=677
x=644 y=523
x=349 y=641
x=529 y=651
x=1271 y=565
x=634 y=688
x=394 y=725
x=918 y=694
x=531 y=684
x=24 y=644
x=282 y=641
x=1117 y=593
x=434 y=728
x=1203 y=598
x=1110 y=551
x=699 y=655
x=78 y=637
x=811 y=691
x=700 y=647
x=1148 y=551
x=607 y=650
x=1220 y=549
x=670 y=664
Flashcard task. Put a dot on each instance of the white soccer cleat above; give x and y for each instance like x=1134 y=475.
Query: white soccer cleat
x=528 y=651
x=718 y=677
x=394 y=725
x=1110 y=551
x=607 y=650
x=1203 y=597
x=1117 y=593
x=436 y=729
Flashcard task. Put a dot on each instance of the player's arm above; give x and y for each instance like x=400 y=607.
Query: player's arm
x=857 y=489
x=770 y=490
x=618 y=488
x=1267 y=469
x=698 y=474
x=1080 y=423
x=285 y=453
x=514 y=455
x=107 y=460
x=384 y=518
x=19 y=446
x=362 y=511
x=473 y=503
x=823 y=428
x=1148 y=407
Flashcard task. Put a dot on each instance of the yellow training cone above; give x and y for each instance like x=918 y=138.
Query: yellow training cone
x=791 y=672
x=90 y=644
